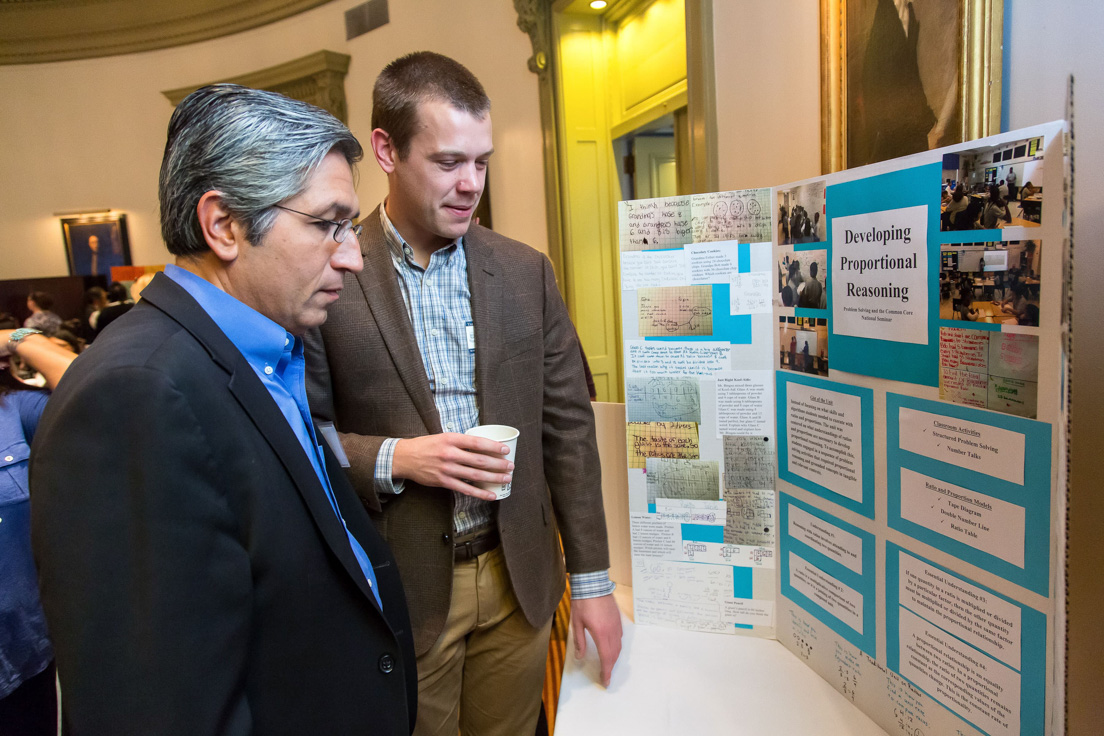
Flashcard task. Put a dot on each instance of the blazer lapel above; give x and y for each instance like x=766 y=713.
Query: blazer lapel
x=380 y=286
x=486 y=306
x=255 y=400
x=270 y=422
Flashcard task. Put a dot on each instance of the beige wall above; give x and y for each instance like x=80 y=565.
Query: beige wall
x=1048 y=42
x=87 y=134
x=767 y=58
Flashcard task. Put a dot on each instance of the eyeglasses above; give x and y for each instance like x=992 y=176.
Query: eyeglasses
x=342 y=227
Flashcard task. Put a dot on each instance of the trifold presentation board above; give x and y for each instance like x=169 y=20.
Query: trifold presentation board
x=846 y=407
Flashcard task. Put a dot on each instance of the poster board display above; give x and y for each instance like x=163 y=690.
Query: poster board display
x=871 y=469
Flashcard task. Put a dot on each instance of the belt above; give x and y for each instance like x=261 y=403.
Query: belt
x=472 y=548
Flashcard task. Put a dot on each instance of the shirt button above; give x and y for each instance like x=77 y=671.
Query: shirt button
x=444 y=381
x=449 y=426
x=433 y=332
x=9 y=458
x=462 y=515
x=286 y=341
x=268 y=370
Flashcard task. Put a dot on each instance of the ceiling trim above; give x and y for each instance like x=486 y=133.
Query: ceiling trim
x=37 y=31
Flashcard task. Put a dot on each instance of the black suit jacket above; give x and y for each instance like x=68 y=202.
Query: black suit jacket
x=195 y=578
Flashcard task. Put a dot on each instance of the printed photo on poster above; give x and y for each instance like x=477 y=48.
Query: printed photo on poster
x=990 y=370
x=804 y=345
x=993 y=187
x=801 y=214
x=996 y=282
x=802 y=279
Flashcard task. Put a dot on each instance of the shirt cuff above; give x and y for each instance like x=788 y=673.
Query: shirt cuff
x=591 y=584
x=384 y=463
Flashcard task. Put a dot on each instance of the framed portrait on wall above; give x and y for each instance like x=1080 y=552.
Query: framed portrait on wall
x=903 y=76
x=93 y=245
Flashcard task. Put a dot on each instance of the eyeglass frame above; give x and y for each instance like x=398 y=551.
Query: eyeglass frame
x=345 y=225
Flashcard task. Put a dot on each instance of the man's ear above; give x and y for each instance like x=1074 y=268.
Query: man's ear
x=384 y=150
x=224 y=234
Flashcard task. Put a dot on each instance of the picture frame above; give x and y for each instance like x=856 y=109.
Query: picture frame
x=94 y=244
x=885 y=90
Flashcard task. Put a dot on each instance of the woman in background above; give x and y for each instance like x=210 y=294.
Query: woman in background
x=28 y=698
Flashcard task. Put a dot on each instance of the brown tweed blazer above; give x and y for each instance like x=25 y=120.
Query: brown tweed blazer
x=365 y=374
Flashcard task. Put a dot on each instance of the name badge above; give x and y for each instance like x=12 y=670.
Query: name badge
x=470 y=328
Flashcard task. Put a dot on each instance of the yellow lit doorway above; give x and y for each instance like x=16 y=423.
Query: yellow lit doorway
x=624 y=131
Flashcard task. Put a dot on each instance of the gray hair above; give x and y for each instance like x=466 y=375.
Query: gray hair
x=257 y=148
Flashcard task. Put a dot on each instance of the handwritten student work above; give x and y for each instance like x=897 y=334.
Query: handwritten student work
x=696 y=479
x=663 y=400
x=675 y=311
x=661 y=439
x=654 y=223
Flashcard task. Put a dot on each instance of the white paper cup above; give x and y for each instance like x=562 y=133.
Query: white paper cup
x=507 y=436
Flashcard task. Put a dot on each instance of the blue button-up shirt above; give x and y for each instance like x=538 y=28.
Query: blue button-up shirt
x=276 y=356
x=438 y=302
x=24 y=645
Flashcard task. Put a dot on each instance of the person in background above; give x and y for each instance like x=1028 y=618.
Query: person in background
x=995 y=211
x=958 y=203
x=28 y=698
x=449 y=326
x=95 y=299
x=813 y=296
x=118 y=304
x=40 y=303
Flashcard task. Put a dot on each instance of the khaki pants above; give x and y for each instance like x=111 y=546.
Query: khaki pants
x=483 y=675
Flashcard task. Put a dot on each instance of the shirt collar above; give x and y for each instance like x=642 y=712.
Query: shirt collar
x=259 y=339
x=400 y=251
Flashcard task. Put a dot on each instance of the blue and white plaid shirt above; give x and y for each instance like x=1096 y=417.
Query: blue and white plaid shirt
x=438 y=302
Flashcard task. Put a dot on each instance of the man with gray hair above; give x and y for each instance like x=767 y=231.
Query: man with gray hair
x=206 y=568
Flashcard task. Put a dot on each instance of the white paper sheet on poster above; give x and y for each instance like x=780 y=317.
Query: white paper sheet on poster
x=749 y=611
x=834 y=596
x=745 y=403
x=968 y=611
x=682 y=595
x=662 y=358
x=880 y=275
x=824 y=429
x=642 y=269
x=984 y=522
x=971 y=684
x=738 y=555
x=826 y=538
x=982 y=448
x=691 y=511
x=712 y=263
x=751 y=293
x=655 y=538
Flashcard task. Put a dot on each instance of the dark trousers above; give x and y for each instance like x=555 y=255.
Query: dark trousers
x=31 y=710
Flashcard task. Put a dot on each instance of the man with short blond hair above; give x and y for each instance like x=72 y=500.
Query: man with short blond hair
x=449 y=326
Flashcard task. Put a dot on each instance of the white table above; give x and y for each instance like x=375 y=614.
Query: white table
x=671 y=682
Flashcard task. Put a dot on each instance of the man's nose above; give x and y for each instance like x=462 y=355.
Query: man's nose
x=347 y=257
x=471 y=178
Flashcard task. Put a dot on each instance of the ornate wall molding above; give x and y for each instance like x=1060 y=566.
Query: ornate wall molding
x=35 y=31
x=318 y=79
x=535 y=19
